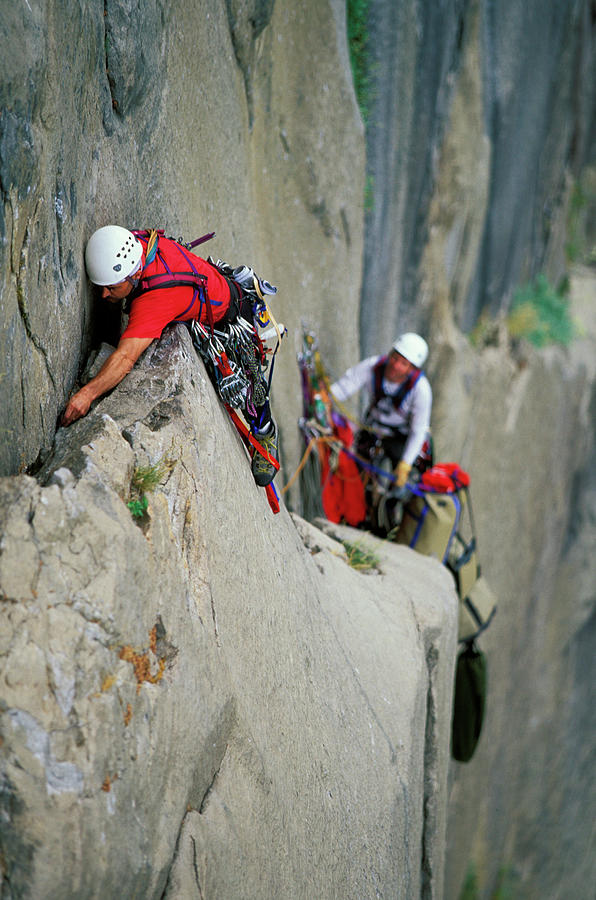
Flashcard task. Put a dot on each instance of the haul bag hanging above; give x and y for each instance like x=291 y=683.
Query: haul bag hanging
x=469 y=702
x=462 y=561
x=477 y=603
x=476 y=610
x=429 y=523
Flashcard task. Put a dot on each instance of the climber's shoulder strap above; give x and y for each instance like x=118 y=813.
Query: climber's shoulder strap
x=378 y=370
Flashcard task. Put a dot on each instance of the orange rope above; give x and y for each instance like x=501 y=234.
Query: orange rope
x=314 y=441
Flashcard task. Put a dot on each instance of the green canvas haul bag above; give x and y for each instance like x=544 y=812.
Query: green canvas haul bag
x=428 y=524
x=469 y=702
x=433 y=524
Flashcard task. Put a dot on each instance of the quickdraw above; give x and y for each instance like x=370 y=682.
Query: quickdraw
x=236 y=352
x=234 y=356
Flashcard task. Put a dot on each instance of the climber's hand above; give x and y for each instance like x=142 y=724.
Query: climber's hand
x=77 y=406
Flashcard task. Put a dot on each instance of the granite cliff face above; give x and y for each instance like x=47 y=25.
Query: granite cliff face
x=216 y=120
x=500 y=99
x=209 y=701
x=479 y=143
x=525 y=432
x=240 y=117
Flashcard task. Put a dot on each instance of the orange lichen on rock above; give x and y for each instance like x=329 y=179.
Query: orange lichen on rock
x=107 y=782
x=128 y=714
x=142 y=666
x=108 y=681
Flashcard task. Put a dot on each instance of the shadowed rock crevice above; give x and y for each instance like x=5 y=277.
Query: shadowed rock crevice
x=432 y=742
x=16 y=852
x=215 y=746
x=132 y=76
x=110 y=78
x=21 y=276
x=247 y=19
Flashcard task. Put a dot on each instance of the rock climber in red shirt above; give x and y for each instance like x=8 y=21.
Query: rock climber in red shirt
x=164 y=282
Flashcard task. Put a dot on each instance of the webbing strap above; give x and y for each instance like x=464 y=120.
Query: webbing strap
x=249 y=438
x=208 y=301
x=172 y=279
x=169 y=279
x=457 y=504
x=420 y=520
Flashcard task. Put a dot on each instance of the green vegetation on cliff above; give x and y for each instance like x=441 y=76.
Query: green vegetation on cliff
x=581 y=219
x=541 y=315
x=357 y=19
x=144 y=480
x=361 y=558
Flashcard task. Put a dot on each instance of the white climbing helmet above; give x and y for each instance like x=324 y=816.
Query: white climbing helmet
x=413 y=347
x=112 y=254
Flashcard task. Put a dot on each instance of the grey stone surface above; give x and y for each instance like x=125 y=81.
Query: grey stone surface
x=525 y=432
x=196 y=117
x=533 y=84
x=240 y=117
x=209 y=701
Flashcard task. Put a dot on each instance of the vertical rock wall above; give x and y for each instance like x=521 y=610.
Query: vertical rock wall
x=516 y=804
x=525 y=74
x=414 y=53
x=208 y=700
x=467 y=202
x=196 y=117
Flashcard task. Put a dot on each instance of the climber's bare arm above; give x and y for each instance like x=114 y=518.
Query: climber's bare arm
x=115 y=368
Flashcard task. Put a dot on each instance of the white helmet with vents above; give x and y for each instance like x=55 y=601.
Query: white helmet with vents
x=413 y=347
x=112 y=254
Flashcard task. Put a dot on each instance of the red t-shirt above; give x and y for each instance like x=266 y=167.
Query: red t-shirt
x=151 y=311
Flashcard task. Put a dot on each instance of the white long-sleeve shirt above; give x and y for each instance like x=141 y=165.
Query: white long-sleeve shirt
x=411 y=418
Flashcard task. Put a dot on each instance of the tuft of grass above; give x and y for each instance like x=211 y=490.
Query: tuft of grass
x=541 y=315
x=144 y=480
x=138 y=506
x=485 y=332
x=361 y=558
